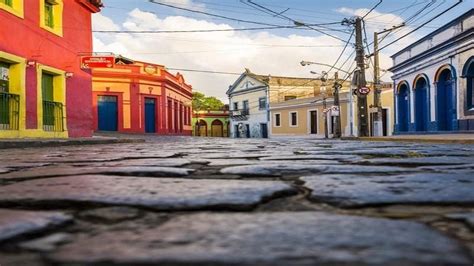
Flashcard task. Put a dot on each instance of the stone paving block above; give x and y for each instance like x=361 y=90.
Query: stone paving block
x=279 y=169
x=281 y=238
x=117 y=170
x=14 y=223
x=156 y=193
x=421 y=161
x=162 y=162
x=465 y=217
x=426 y=188
x=328 y=157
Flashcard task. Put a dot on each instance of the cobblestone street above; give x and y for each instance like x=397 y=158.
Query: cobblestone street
x=217 y=201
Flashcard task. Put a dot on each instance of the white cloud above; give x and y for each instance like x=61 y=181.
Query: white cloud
x=261 y=52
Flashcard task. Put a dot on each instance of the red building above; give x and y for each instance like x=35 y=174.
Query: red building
x=140 y=97
x=43 y=91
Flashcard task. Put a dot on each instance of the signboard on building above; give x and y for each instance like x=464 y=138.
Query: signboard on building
x=97 y=61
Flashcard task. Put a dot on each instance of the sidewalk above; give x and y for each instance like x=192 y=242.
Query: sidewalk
x=36 y=143
x=434 y=138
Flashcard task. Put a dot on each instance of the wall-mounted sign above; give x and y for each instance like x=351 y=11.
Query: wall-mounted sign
x=97 y=61
x=150 y=69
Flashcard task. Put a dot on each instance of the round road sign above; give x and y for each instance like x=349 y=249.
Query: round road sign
x=364 y=90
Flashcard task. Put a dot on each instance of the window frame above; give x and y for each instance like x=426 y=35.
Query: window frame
x=275 y=120
x=245 y=105
x=290 y=120
x=235 y=105
x=14 y=7
x=264 y=99
x=57 y=16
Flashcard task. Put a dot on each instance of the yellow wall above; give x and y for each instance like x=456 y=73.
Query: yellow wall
x=16 y=8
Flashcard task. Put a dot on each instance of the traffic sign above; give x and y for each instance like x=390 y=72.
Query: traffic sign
x=364 y=90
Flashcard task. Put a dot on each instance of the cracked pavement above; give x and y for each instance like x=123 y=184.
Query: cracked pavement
x=217 y=201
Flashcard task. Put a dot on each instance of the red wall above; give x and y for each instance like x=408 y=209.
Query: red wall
x=25 y=38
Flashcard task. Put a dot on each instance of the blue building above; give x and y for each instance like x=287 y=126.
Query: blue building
x=433 y=80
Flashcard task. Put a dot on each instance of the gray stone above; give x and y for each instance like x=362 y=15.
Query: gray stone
x=48 y=243
x=329 y=157
x=278 y=169
x=110 y=214
x=418 y=161
x=14 y=223
x=160 y=194
x=117 y=170
x=465 y=217
x=282 y=238
x=162 y=162
x=427 y=188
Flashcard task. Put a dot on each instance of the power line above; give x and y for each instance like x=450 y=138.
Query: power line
x=194 y=31
x=203 y=71
x=343 y=50
x=220 y=16
x=280 y=15
x=372 y=9
x=419 y=27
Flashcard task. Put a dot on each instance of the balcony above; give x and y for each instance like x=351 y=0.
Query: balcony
x=240 y=114
x=9 y=111
x=53 y=118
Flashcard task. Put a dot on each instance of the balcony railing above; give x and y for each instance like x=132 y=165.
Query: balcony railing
x=240 y=112
x=9 y=111
x=53 y=118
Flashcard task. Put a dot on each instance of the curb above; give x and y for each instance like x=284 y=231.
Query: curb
x=22 y=144
x=439 y=141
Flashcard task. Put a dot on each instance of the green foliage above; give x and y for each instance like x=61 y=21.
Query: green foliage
x=202 y=102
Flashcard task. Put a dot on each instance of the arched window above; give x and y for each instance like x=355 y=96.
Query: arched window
x=468 y=74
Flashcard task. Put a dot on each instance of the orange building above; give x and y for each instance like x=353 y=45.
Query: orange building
x=140 y=97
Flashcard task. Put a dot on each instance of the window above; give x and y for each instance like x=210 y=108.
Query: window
x=4 y=76
x=246 y=105
x=290 y=97
x=48 y=14
x=277 y=120
x=236 y=106
x=51 y=16
x=293 y=119
x=262 y=103
x=6 y=2
x=13 y=6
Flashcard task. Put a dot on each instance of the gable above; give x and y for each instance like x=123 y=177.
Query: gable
x=245 y=83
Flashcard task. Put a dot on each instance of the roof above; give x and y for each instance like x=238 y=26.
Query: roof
x=440 y=29
x=271 y=80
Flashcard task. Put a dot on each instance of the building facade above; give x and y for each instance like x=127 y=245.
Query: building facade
x=312 y=116
x=251 y=95
x=248 y=98
x=140 y=97
x=43 y=90
x=211 y=123
x=433 y=80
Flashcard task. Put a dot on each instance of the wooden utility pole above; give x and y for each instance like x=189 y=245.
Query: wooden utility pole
x=378 y=124
x=337 y=86
x=362 y=113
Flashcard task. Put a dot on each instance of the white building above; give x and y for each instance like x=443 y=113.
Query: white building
x=433 y=80
x=248 y=98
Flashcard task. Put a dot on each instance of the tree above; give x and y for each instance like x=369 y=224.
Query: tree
x=202 y=102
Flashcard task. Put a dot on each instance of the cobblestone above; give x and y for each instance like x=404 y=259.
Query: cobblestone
x=203 y=201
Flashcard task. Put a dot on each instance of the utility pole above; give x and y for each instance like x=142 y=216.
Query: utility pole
x=378 y=124
x=362 y=112
x=323 y=88
x=337 y=86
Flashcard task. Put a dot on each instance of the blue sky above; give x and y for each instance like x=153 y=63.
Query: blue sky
x=275 y=52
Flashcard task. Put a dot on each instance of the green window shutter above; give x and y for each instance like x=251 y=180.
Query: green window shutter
x=47 y=87
x=48 y=15
x=6 y=2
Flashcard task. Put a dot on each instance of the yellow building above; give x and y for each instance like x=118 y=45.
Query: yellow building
x=306 y=116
